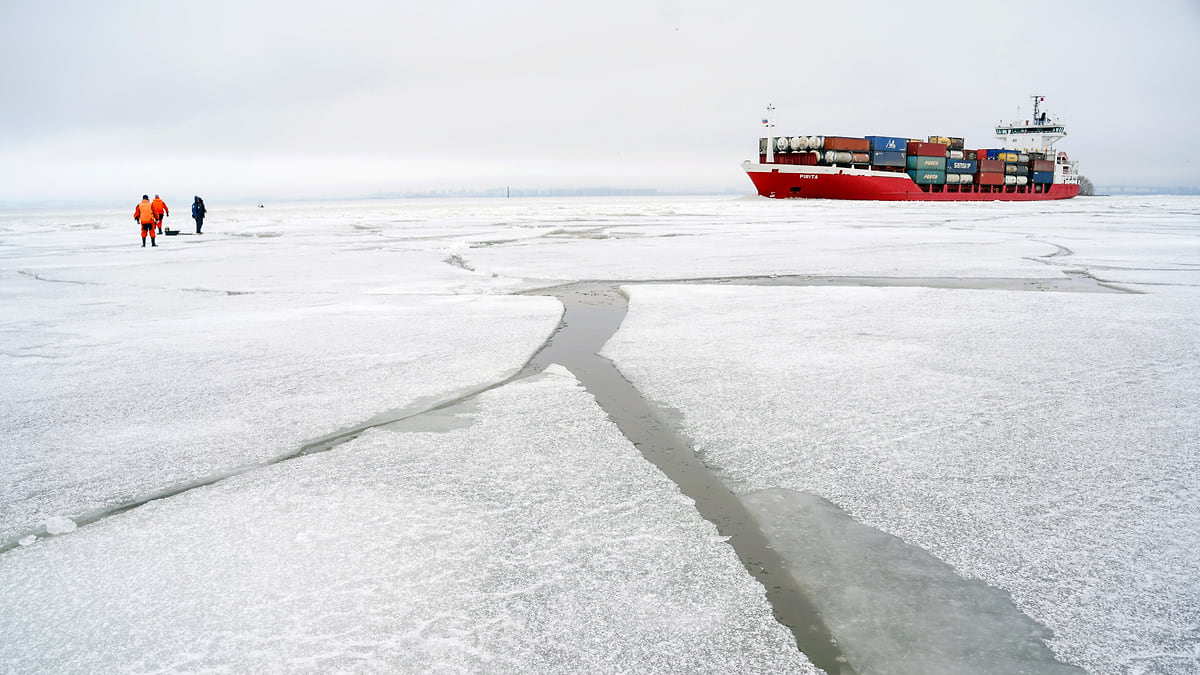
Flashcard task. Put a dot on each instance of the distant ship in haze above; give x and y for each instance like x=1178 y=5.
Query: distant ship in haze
x=888 y=168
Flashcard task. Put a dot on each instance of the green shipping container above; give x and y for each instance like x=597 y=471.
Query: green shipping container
x=918 y=163
x=928 y=177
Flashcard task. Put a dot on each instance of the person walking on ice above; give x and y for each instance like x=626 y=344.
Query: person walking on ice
x=144 y=213
x=198 y=211
x=160 y=210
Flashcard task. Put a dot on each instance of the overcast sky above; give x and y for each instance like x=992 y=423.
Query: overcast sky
x=273 y=99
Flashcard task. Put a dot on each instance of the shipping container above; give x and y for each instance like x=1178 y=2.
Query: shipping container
x=928 y=177
x=801 y=158
x=888 y=158
x=961 y=166
x=970 y=154
x=991 y=165
x=1023 y=158
x=887 y=143
x=838 y=157
x=1042 y=177
x=989 y=178
x=1022 y=169
x=1022 y=180
x=861 y=158
x=992 y=153
x=1041 y=165
x=1007 y=157
x=954 y=154
x=847 y=144
x=950 y=142
x=927 y=163
x=926 y=149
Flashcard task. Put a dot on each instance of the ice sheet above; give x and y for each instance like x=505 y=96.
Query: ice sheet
x=756 y=237
x=284 y=322
x=113 y=393
x=1042 y=442
x=531 y=537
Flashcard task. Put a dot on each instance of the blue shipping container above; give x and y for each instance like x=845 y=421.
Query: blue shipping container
x=1042 y=177
x=887 y=158
x=888 y=143
x=960 y=166
x=993 y=153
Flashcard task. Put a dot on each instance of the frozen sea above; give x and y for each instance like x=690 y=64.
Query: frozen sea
x=311 y=439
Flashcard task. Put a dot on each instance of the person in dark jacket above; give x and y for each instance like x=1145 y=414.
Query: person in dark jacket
x=198 y=212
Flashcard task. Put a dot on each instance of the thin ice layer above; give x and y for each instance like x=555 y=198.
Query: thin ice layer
x=1041 y=442
x=528 y=537
x=111 y=396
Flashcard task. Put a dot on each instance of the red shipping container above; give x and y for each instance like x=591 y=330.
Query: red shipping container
x=927 y=149
x=990 y=178
x=991 y=166
x=847 y=144
x=1042 y=165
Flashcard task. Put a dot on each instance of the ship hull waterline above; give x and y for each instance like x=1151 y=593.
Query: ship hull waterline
x=784 y=181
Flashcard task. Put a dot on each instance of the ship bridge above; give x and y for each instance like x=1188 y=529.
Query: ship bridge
x=1036 y=134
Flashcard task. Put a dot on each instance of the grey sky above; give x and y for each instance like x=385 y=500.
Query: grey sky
x=289 y=99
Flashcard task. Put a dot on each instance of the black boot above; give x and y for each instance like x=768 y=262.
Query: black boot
x=152 y=243
x=143 y=243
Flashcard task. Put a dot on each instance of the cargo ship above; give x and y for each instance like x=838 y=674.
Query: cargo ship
x=1025 y=167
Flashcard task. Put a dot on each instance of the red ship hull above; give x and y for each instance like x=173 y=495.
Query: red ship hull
x=786 y=181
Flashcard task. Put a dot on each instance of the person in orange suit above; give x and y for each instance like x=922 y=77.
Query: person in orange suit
x=160 y=209
x=144 y=214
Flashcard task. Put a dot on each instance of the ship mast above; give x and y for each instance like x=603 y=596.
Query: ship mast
x=769 y=122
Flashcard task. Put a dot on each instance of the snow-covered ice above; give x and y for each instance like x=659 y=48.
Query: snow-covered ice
x=1030 y=455
x=130 y=391
x=533 y=538
x=1045 y=443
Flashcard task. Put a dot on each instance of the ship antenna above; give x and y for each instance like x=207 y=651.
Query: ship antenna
x=1036 y=100
x=769 y=122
